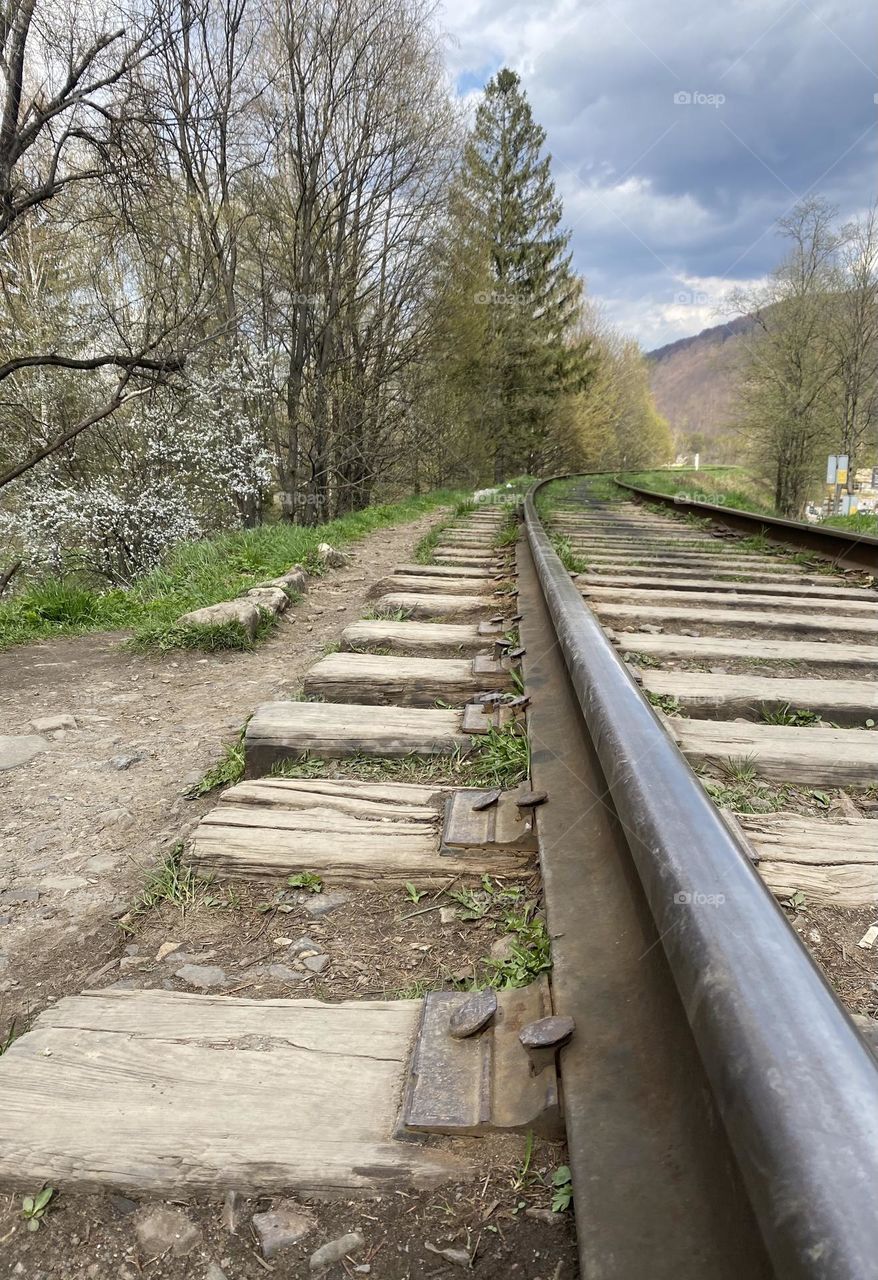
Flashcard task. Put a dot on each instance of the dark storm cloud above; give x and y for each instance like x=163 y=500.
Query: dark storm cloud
x=661 y=191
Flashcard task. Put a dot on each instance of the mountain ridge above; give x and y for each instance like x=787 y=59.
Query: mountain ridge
x=719 y=333
x=694 y=381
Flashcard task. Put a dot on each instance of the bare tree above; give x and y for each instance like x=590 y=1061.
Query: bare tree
x=789 y=362
x=853 y=336
x=365 y=148
x=65 y=130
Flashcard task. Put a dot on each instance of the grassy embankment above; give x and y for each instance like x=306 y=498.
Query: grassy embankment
x=736 y=487
x=723 y=486
x=861 y=522
x=194 y=574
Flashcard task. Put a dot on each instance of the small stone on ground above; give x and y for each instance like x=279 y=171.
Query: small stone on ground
x=334 y=1250
x=281 y=1227
x=125 y=762
x=160 y=1230
x=321 y=904
x=283 y=973
x=202 y=975
x=459 y=1257
x=20 y=748
x=50 y=724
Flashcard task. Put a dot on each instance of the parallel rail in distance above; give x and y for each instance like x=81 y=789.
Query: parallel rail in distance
x=850 y=550
x=793 y=1081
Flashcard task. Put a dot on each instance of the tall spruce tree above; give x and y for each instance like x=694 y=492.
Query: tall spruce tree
x=507 y=222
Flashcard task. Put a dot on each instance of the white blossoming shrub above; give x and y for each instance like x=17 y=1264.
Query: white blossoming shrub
x=117 y=535
x=213 y=435
x=181 y=466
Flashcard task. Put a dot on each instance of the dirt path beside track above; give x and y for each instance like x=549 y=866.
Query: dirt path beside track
x=81 y=824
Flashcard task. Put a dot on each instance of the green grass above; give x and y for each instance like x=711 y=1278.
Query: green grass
x=605 y=489
x=860 y=522
x=67 y=603
x=172 y=881
x=162 y=637
x=228 y=769
x=193 y=575
x=507 y=534
x=576 y=490
x=425 y=549
x=723 y=486
x=513 y=914
x=9 y=1036
x=572 y=562
x=785 y=714
x=641 y=659
x=500 y=758
x=551 y=496
x=306 y=880
x=530 y=954
x=665 y=702
x=747 y=797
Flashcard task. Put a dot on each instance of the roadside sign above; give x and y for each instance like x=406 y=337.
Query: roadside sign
x=831 y=468
x=841 y=473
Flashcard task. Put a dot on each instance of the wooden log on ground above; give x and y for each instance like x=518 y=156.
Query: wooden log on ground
x=842 y=603
x=471 y=559
x=436 y=639
x=426 y=583
x=769 y=622
x=702 y=695
x=832 y=863
x=683 y=559
x=757 y=584
x=704 y=648
x=438 y=605
x=288 y=730
x=349 y=833
x=165 y=1094
x=443 y=571
x=817 y=757
x=404 y=682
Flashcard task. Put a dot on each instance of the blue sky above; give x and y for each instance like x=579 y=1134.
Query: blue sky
x=681 y=131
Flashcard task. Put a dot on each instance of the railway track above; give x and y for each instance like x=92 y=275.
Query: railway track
x=485 y=729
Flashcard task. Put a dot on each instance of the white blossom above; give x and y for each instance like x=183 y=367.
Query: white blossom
x=182 y=466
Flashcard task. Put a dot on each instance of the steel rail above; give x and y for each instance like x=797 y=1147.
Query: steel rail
x=851 y=550
x=793 y=1081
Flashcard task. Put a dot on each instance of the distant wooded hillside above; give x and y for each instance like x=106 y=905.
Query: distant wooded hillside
x=693 y=382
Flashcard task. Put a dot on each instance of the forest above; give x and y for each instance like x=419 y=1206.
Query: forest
x=807 y=381
x=259 y=263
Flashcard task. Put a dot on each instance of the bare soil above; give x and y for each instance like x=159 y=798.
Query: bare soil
x=503 y=1222
x=832 y=935
x=380 y=944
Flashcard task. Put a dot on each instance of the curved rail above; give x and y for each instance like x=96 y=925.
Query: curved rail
x=852 y=550
x=794 y=1082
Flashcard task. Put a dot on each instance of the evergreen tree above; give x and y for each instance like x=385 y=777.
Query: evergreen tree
x=507 y=223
